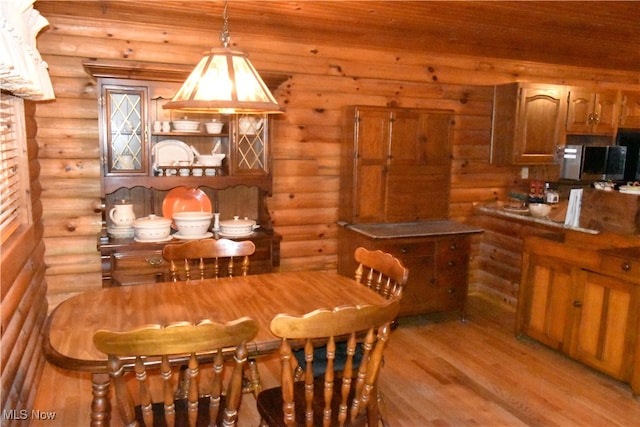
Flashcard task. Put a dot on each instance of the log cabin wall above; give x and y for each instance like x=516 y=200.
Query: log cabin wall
x=322 y=79
x=24 y=296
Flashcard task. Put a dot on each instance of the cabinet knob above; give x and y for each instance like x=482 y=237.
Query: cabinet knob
x=453 y=246
x=577 y=303
x=451 y=290
x=626 y=266
x=451 y=263
x=404 y=250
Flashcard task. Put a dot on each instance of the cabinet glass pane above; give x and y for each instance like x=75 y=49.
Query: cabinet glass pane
x=251 y=143
x=125 y=120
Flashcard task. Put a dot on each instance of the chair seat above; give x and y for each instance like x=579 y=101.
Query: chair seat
x=269 y=403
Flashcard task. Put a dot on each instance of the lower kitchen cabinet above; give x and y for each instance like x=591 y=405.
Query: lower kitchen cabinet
x=545 y=310
x=437 y=262
x=584 y=303
x=604 y=317
x=126 y=262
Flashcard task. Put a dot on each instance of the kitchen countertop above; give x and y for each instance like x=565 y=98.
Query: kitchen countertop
x=496 y=209
x=413 y=229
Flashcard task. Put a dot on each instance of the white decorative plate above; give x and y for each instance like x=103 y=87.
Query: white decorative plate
x=204 y=236
x=171 y=151
x=220 y=233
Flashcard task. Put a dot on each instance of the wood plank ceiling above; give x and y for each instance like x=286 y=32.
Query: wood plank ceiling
x=595 y=34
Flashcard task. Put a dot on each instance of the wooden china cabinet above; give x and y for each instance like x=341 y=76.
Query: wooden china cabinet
x=132 y=123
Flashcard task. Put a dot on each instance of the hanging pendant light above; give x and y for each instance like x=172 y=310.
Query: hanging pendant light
x=224 y=81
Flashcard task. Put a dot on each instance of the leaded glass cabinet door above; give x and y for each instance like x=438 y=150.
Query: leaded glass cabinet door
x=251 y=148
x=124 y=130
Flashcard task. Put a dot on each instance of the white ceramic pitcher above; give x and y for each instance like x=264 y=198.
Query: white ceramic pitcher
x=122 y=214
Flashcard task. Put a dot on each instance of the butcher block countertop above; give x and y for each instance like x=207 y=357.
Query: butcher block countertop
x=412 y=229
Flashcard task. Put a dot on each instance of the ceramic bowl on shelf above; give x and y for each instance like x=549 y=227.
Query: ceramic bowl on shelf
x=237 y=227
x=214 y=127
x=539 y=210
x=152 y=228
x=210 y=159
x=192 y=223
x=186 y=125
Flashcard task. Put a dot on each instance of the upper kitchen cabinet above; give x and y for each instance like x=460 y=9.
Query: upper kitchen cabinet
x=592 y=112
x=528 y=123
x=630 y=110
x=396 y=165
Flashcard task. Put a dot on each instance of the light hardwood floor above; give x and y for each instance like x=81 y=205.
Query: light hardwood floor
x=440 y=372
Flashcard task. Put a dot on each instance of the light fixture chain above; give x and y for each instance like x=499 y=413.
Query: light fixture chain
x=224 y=35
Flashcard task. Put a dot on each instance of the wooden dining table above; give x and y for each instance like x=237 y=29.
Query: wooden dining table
x=69 y=329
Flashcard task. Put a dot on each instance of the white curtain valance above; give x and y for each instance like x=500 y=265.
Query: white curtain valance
x=22 y=70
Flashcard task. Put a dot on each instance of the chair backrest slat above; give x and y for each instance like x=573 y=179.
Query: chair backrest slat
x=228 y=258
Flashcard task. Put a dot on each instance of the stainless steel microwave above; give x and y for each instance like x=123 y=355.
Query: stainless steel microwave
x=593 y=162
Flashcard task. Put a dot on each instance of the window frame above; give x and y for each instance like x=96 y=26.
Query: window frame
x=14 y=170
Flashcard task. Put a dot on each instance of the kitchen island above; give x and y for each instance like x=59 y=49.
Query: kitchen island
x=435 y=252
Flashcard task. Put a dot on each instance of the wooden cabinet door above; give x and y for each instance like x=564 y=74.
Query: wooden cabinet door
x=540 y=123
x=123 y=125
x=604 y=335
x=630 y=110
x=372 y=140
x=544 y=300
x=419 y=166
x=249 y=145
x=528 y=124
x=592 y=112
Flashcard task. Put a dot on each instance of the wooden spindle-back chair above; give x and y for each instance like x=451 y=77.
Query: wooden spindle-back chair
x=200 y=259
x=153 y=347
x=381 y=272
x=189 y=260
x=336 y=399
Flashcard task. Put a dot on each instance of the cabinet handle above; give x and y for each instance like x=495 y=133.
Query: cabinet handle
x=451 y=290
x=155 y=261
x=626 y=266
x=404 y=250
x=577 y=303
x=596 y=118
x=451 y=263
x=453 y=246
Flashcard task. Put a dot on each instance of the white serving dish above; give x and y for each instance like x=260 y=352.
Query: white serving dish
x=121 y=232
x=539 y=210
x=152 y=228
x=172 y=152
x=214 y=127
x=186 y=125
x=237 y=227
x=192 y=223
x=210 y=159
